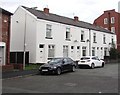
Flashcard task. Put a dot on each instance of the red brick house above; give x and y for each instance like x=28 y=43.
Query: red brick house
x=110 y=20
x=5 y=20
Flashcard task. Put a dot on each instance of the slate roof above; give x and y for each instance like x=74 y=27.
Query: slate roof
x=64 y=20
x=3 y=11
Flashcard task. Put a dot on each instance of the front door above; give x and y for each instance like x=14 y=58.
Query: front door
x=72 y=52
x=78 y=52
x=42 y=53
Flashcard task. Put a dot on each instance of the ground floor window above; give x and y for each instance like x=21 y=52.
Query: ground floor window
x=83 y=51
x=51 y=51
x=65 y=51
x=105 y=51
x=93 y=51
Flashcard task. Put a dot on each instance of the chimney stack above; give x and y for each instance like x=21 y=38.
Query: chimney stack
x=76 y=18
x=46 y=10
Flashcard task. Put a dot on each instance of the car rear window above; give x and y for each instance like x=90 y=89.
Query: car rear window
x=85 y=58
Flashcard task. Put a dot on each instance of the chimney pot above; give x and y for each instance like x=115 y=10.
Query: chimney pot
x=46 y=10
x=76 y=18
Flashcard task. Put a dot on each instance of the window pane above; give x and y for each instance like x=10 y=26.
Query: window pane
x=65 y=51
x=48 y=30
x=113 y=29
x=105 y=21
x=51 y=50
x=112 y=20
x=67 y=33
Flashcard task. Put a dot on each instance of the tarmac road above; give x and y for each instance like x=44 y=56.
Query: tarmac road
x=98 y=80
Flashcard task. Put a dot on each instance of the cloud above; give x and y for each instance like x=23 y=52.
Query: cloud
x=87 y=10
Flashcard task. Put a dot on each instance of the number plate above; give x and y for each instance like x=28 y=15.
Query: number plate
x=44 y=70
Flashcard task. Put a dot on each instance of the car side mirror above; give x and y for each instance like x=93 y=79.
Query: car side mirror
x=63 y=62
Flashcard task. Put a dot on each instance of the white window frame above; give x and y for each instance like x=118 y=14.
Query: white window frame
x=105 y=20
x=48 y=31
x=93 y=51
x=51 y=48
x=112 y=20
x=67 y=33
x=104 y=39
x=84 y=50
x=94 y=37
x=113 y=29
x=82 y=35
x=65 y=50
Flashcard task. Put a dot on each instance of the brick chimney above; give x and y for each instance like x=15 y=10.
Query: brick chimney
x=46 y=10
x=76 y=18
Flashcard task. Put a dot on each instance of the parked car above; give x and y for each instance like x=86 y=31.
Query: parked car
x=91 y=61
x=58 y=65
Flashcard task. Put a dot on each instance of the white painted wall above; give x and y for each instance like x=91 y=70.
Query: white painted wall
x=17 y=33
x=36 y=33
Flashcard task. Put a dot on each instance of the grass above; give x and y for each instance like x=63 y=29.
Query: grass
x=31 y=66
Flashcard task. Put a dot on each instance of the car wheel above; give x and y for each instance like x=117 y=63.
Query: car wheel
x=92 y=65
x=102 y=65
x=58 y=71
x=73 y=69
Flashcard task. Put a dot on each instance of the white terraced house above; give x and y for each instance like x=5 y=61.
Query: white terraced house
x=43 y=35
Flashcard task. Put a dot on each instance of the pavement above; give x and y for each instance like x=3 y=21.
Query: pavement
x=21 y=73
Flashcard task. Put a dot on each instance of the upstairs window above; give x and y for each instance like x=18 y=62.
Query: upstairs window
x=112 y=20
x=48 y=31
x=82 y=36
x=67 y=33
x=105 y=20
x=113 y=29
x=104 y=39
x=93 y=51
x=94 y=37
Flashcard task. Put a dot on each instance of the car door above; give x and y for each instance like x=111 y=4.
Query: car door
x=98 y=61
x=65 y=64
x=95 y=61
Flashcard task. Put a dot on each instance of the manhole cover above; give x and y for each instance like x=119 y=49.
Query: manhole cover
x=70 y=84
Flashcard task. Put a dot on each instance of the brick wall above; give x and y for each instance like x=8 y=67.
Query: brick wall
x=108 y=14
x=6 y=35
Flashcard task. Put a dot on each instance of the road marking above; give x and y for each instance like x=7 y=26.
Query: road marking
x=70 y=84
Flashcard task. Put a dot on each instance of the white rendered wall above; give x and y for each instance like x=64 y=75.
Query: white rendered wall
x=20 y=20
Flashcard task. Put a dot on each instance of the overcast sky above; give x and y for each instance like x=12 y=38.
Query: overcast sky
x=86 y=10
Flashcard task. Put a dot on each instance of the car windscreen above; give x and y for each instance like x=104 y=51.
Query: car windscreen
x=55 y=61
x=85 y=58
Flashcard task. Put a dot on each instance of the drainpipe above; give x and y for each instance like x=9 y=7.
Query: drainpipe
x=109 y=21
x=89 y=42
x=24 y=41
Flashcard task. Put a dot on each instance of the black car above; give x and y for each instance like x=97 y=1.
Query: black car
x=57 y=66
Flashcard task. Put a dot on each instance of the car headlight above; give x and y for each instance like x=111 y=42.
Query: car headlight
x=54 y=67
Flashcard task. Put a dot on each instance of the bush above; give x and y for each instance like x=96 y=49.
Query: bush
x=113 y=53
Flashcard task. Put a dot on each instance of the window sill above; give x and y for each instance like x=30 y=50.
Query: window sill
x=94 y=42
x=82 y=41
x=48 y=37
x=67 y=39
